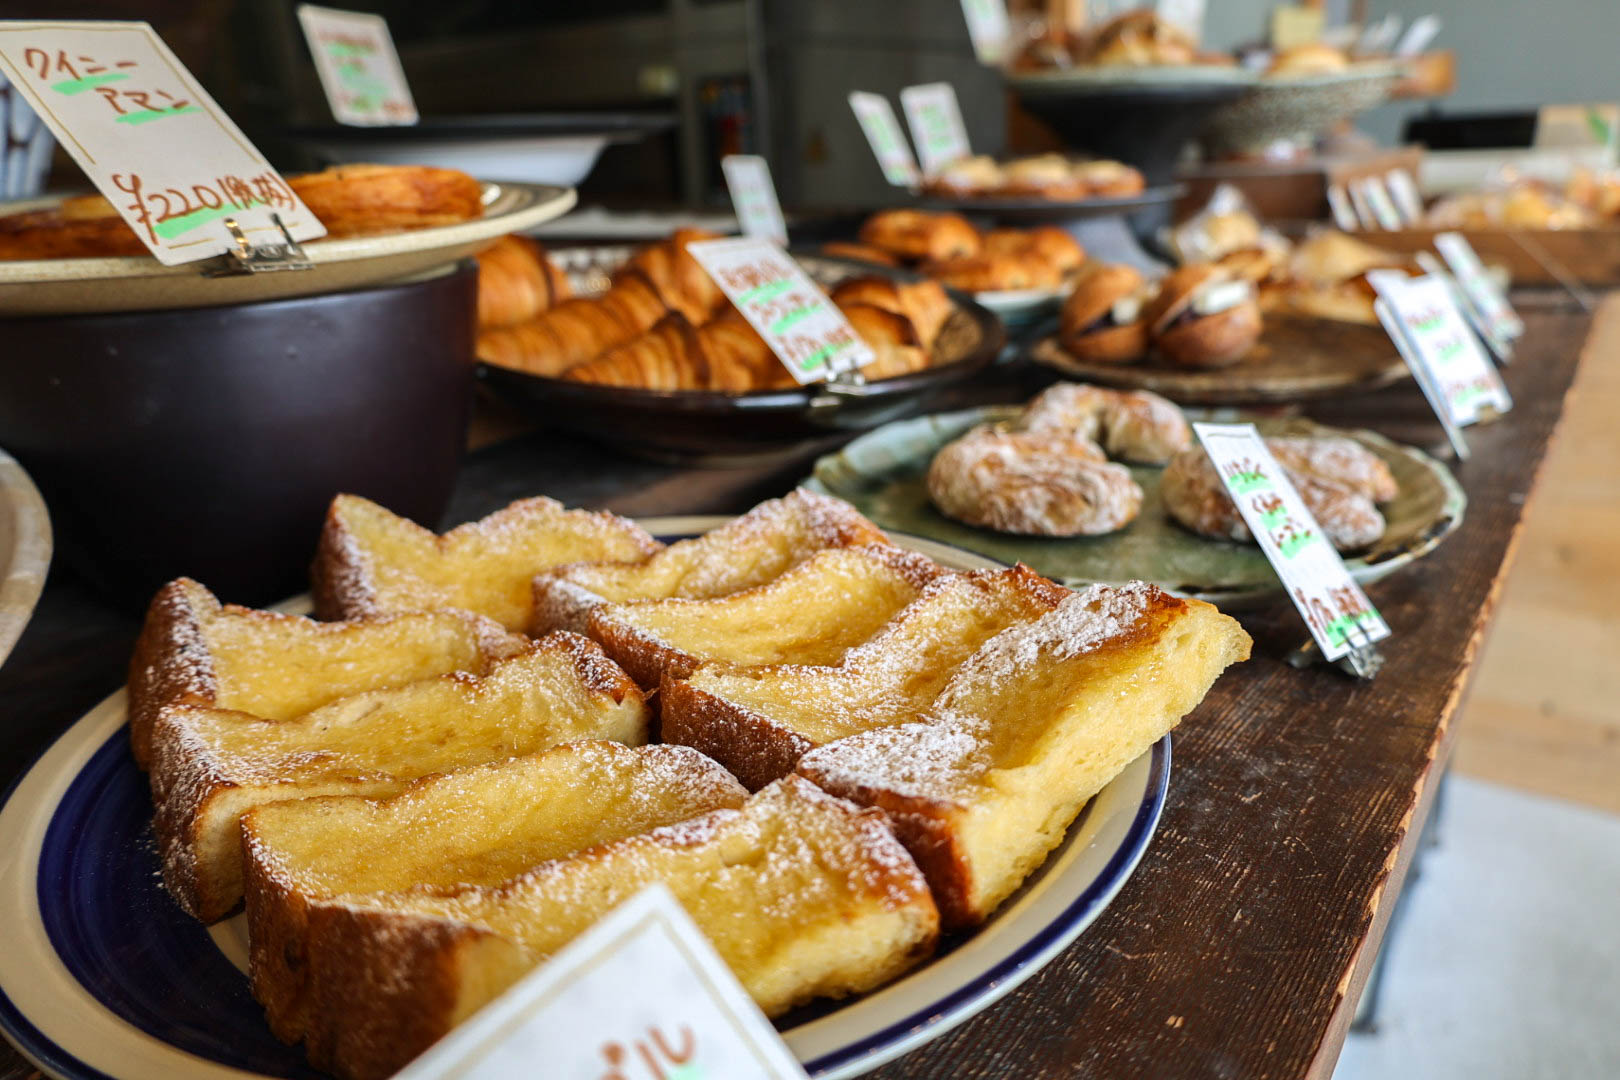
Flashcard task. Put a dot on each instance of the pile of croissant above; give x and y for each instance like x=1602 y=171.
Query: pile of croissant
x=663 y=324
x=949 y=249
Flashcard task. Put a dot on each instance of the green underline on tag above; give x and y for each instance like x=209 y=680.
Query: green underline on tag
x=1290 y=548
x=342 y=48
x=793 y=318
x=137 y=118
x=822 y=355
x=688 y=1071
x=767 y=291
x=1338 y=629
x=1243 y=483
x=1272 y=518
x=89 y=82
x=186 y=222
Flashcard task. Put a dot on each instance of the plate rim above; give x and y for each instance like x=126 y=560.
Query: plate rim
x=930 y=1018
x=23 y=568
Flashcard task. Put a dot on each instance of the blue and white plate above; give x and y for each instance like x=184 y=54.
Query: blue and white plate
x=103 y=975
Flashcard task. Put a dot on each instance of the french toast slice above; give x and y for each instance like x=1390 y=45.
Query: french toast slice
x=812 y=614
x=373 y=562
x=759 y=721
x=751 y=550
x=193 y=650
x=209 y=766
x=802 y=894
x=478 y=826
x=1045 y=714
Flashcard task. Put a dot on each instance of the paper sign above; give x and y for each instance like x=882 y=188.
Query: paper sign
x=1425 y=315
x=1502 y=323
x=1338 y=613
x=804 y=329
x=753 y=196
x=359 y=69
x=149 y=137
x=1404 y=190
x=936 y=125
x=1363 y=209
x=1186 y=15
x=642 y=995
x=988 y=27
x=1344 y=215
x=1379 y=201
x=1424 y=29
x=882 y=130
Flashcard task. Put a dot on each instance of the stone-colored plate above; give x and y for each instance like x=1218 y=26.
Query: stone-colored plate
x=25 y=550
x=141 y=283
x=882 y=473
x=1294 y=359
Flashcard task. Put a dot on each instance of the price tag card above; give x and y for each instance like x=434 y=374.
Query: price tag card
x=149 y=137
x=882 y=130
x=642 y=995
x=1344 y=215
x=1363 y=209
x=359 y=69
x=936 y=125
x=1440 y=346
x=753 y=196
x=1495 y=312
x=804 y=329
x=1408 y=200
x=1338 y=613
x=1186 y=15
x=988 y=27
x=1379 y=201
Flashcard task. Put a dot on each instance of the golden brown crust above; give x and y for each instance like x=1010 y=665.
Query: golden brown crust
x=840 y=249
x=1048 y=242
x=755 y=749
x=917 y=234
x=516 y=282
x=171 y=664
x=994 y=271
x=1098 y=290
x=1212 y=341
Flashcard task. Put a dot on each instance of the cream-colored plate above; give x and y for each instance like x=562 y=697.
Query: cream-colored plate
x=25 y=550
x=140 y=283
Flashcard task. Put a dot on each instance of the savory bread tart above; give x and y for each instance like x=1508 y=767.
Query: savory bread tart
x=751 y=550
x=802 y=894
x=371 y=562
x=193 y=650
x=211 y=765
x=475 y=827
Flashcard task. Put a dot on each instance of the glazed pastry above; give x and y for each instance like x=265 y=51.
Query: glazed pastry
x=1047 y=242
x=1338 y=479
x=516 y=282
x=916 y=234
x=969 y=175
x=1032 y=483
x=678 y=279
x=897 y=349
x=1203 y=317
x=860 y=252
x=1135 y=425
x=1047 y=176
x=576 y=330
x=990 y=272
x=1102 y=320
x=923 y=302
x=1108 y=179
x=725 y=354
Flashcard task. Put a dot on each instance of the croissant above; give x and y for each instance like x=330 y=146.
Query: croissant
x=991 y=272
x=576 y=330
x=677 y=278
x=923 y=302
x=726 y=355
x=516 y=282
x=892 y=338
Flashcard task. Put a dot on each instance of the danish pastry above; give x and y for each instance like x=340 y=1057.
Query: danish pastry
x=1033 y=483
x=916 y=234
x=993 y=272
x=923 y=302
x=866 y=253
x=1047 y=242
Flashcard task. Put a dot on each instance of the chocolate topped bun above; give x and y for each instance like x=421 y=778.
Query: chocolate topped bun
x=1204 y=317
x=1101 y=320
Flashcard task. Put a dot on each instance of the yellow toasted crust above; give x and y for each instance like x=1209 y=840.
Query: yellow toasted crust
x=370 y=561
x=751 y=550
x=475 y=827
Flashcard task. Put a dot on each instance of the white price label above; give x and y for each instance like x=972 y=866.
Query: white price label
x=1379 y=201
x=753 y=196
x=1501 y=321
x=1408 y=200
x=149 y=137
x=1363 y=209
x=882 y=130
x=1187 y=15
x=1439 y=345
x=1339 y=615
x=988 y=27
x=804 y=329
x=642 y=995
x=935 y=120
x=1344 y=215
x=359 y=69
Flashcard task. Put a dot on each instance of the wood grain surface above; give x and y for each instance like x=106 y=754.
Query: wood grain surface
x=1241 y=943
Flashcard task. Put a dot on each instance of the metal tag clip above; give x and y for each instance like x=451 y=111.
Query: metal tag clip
x=247 y=259
x=1362 y=661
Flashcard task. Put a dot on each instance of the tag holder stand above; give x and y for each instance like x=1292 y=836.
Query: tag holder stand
x=1420 y=375
x=244 y=258
x=1363 y=661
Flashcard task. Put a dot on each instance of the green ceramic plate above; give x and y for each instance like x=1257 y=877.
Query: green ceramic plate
x=881 y=473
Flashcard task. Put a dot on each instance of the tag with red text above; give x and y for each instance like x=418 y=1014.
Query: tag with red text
x=753 y=196
x=1423 y=313
x=1338 y=613
x=1500 y=324
x=882 y=131
x=642 y=995
x=359 y=68
x=935 y=119
x=804 y=329
x=150 y=138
